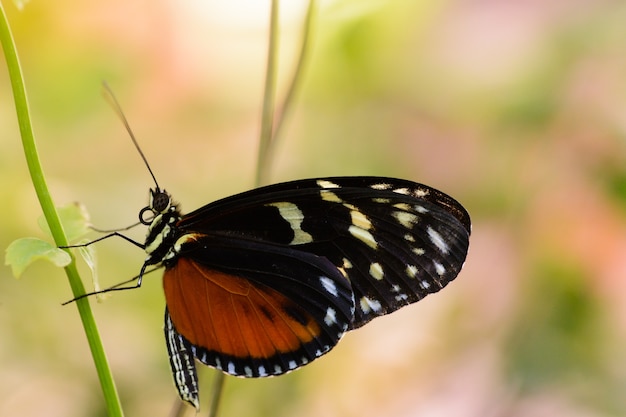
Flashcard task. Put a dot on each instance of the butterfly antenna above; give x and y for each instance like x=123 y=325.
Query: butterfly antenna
x=110 y=97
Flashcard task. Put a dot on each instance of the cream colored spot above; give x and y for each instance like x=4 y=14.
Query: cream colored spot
x=327 y=184
x=403 y=191
x=376 y=271
x=364 y=236
x=405 y=219
x=330 y=196
x=381 y=200
x=381 y=186
x=411 y=271
x=403 y=206
x=360 y=220
x=294 y=216
x=418 y=251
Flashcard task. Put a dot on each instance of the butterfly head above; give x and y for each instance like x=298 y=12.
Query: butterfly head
x=160 y=203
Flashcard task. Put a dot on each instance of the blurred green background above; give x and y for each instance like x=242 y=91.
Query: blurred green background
x=515 y=108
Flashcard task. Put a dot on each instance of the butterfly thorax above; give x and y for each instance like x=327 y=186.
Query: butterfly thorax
x=162 y=231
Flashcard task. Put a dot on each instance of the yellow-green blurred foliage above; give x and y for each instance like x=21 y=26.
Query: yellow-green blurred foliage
x=516 y=108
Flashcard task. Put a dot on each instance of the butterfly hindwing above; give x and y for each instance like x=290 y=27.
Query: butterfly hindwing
x=252 y=309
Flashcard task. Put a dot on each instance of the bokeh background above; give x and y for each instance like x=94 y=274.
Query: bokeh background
x=516 y=108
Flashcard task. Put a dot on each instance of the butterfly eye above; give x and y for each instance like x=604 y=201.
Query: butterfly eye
x=160 y=200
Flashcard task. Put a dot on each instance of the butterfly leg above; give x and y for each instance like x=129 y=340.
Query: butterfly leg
x=126 y=238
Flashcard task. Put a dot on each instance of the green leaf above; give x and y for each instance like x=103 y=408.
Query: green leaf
x=23 y=252
x=88 y=253
x=74 y=218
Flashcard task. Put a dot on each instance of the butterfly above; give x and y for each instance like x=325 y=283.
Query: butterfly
x=264 y=282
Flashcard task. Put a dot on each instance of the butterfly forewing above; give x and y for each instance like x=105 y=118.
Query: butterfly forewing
x=395 y=240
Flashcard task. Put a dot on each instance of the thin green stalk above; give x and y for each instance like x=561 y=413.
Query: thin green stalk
x=267 y=118
x=305 y=48
x=271 y=126
x=49 y=211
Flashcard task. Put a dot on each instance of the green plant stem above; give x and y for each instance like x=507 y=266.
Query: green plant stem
x=267 y=116
x=49 y=211
x=271 y=126
x=305 y=48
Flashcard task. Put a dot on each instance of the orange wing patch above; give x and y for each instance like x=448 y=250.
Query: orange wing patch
x=229 y=314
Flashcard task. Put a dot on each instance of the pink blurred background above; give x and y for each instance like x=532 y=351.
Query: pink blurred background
x=516 y=108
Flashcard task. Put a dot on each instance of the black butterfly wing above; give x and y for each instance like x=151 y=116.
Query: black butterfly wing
x=268 y=280
x=395 y=240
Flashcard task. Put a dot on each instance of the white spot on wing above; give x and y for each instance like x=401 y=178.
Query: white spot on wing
x=402 y=297
x=331 y=316
x=368 y=305
x=438 y=241
x=440 y=269
x=329 y=285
